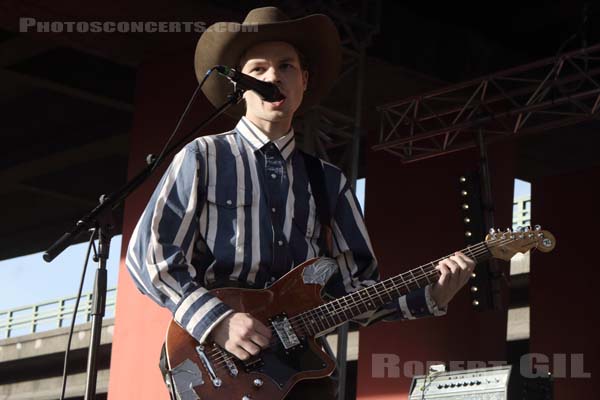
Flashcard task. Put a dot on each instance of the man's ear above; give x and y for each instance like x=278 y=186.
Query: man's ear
x=305 y=79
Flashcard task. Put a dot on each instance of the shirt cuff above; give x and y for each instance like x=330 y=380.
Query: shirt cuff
x=418 y=304
x=199 y=312
x=432 y=305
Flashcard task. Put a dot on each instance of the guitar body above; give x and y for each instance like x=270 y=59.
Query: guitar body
x=273 y=373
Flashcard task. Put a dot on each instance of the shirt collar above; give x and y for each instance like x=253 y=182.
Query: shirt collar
x=257 y=139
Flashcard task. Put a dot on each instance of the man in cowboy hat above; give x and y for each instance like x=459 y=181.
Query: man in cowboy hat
x=239 y=208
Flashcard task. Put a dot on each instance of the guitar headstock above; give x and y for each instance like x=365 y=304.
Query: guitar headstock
x=505 y=244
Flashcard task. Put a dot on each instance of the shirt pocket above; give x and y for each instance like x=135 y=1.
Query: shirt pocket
x=228 y=197
x=226 y=211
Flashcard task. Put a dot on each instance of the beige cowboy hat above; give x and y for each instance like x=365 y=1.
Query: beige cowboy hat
x=224 y=43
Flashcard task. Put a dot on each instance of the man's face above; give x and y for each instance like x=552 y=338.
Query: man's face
x=275 y=62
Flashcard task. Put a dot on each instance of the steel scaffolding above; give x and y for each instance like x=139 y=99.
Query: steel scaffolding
x=547 y=94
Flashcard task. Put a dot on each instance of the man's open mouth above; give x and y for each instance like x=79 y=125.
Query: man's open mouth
x=278 y=103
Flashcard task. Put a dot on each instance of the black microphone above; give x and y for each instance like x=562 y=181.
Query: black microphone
x=268 y=91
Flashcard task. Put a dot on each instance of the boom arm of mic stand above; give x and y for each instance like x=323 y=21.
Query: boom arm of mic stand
x=109 y=203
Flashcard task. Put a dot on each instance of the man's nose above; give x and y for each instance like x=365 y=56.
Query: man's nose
x=272 y=75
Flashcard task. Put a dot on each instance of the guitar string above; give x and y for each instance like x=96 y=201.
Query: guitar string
x=475 y=250
x=427 y=270
x=398 y=281
x=424 y=272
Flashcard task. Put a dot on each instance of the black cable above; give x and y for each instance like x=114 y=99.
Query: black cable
x=66 y=362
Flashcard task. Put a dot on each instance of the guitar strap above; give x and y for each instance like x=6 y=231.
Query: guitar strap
x=316 y=178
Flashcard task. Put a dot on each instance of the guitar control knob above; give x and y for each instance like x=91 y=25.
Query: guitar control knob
x=246 y=397
x=257 y=382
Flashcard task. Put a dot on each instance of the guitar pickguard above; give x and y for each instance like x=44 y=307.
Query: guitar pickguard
x=280 y=364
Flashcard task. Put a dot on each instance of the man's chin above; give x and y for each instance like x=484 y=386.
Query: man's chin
x=277 y=115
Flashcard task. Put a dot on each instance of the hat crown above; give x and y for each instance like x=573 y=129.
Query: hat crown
x=266 y=15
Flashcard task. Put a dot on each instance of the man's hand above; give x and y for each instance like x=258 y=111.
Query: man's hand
x=241 y=335
x=455 y=272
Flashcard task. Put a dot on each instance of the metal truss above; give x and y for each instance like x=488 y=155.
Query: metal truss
x=536 y=97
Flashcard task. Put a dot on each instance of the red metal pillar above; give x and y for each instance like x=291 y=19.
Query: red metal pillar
x=163 y=88
x=565 y=323
x=413 y=216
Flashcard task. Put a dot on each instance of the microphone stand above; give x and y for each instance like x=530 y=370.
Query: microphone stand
x=101 y=220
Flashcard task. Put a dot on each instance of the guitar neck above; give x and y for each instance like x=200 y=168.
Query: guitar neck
x=333 y=313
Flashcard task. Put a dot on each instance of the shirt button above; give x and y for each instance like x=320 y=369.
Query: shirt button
x=272 y=279
x=273 y=176
x=229 y=202
x=280 y=242
x=273 y=209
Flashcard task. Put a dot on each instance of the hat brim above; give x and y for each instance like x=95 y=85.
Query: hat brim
x=224 y=43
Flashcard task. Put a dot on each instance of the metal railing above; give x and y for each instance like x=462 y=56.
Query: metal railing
x=50 y=315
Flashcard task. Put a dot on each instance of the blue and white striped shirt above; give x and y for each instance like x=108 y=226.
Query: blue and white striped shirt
x=239 y=207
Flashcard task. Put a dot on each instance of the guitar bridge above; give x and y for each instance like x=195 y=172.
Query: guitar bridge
x=216 y=381
x=285 y=331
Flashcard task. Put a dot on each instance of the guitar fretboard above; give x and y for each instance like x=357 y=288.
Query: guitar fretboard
x=335 y=312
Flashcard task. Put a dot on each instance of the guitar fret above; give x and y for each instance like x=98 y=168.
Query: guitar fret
x=388 y=290
x=353 y=304
x=331 y=314
x=314 y=320
x=425 y=274
x=378 y=295
x=404 y=283
x=396 y=287
x=415 y=279
x=468 y=249
x=307 y=327
x=347 y=308
x=365 y=301
x=432 y=266
x=375 y=296
x=370 y=304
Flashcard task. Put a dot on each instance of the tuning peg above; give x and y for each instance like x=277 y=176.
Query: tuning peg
x=508 y=230
x=538 y=228
x=492 y=231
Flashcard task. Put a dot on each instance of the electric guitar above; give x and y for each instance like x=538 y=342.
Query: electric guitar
x=294 y=309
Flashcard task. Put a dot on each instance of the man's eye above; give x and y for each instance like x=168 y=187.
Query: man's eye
x=256 y=69
x=286 y=65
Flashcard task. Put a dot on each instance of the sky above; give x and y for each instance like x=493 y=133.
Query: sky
x=522 y=188
x=29 y=279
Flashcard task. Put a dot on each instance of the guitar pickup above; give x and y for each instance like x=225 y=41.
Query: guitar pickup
x=285 y=331
x=253 y=364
